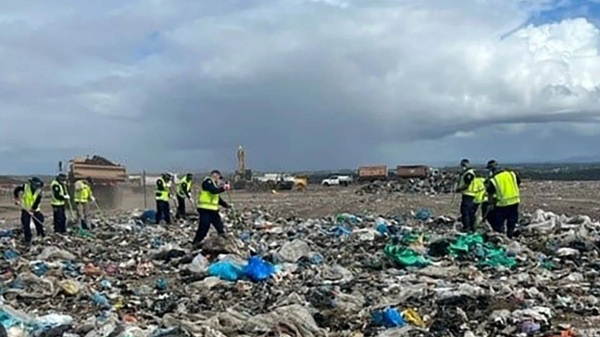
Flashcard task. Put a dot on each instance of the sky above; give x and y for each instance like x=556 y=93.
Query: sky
x=301 y=84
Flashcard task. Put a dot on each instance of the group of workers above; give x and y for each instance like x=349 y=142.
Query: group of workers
x=207 y=204
x=29 y=197
x=497 y=195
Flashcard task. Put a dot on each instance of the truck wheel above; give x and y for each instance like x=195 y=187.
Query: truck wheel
x=326 y=184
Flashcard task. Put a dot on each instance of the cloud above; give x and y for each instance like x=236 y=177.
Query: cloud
x=301 y=83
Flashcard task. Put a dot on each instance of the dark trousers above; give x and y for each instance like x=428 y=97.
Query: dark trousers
x=38 y=220
x=205 y=219
x=467 y=212
x=181 y=214
x=59 y=219
x=487 y=212
x=163 y=211
x=508 y=215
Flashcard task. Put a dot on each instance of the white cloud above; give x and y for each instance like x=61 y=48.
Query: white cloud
x=302 y=83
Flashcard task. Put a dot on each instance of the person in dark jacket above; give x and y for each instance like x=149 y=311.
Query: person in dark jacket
x=184 y=191
x=208 y=206
x=29 y=196
x=162 y=194
x=503 y=189
x=466 y=187
x=60 y=197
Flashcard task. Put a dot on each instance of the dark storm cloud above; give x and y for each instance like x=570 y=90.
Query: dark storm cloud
x=301 y=84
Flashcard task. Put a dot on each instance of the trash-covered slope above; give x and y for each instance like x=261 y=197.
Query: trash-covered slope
x=412 y=274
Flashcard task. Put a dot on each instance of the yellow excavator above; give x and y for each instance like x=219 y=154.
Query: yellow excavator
x=243 y=177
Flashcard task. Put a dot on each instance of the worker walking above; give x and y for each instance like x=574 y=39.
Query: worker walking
x=467 y=187
x=184 y=191
x=208 y=206
x=60 y=197
x=29 y=196
x=83 y=197
x=504 y=187
x=162 y=195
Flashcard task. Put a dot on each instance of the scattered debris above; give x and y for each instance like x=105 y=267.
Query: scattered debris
x=342 y=275
x=434 y=184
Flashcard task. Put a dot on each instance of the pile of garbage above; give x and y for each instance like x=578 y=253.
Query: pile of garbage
x=435 y=184
x=410 y=274
x=96 y=160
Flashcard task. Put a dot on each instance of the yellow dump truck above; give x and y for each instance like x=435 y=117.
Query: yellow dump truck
x=107 y=178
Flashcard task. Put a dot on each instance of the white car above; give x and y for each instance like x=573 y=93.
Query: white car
x=337 y=180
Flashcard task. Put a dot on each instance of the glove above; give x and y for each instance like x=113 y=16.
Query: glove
x=17 y=202
x=67 y=197
x=93 y=199
x=226 y=187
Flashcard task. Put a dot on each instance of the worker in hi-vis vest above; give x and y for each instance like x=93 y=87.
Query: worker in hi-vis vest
x=162 y=194
x=29 y=196
x=60 y=196
x=83 y=197
x=505 y=196
x=467 y=188
x=208 y=206
x=184 y=192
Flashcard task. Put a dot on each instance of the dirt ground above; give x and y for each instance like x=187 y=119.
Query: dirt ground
x=568 y=198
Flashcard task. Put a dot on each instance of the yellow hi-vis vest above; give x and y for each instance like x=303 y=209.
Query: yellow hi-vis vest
x=83 y=194
x=471 y=190
x=479 y=186
x=162 y=195
x=507 y=189
x=207 y=200
x=54 y=201
x=180 y=191
x=29 y=197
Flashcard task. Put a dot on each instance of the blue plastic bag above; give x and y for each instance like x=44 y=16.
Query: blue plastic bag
x=258 y=269
x=424 y=214
x=148 y=217
x=389 y=318
x=226 y=270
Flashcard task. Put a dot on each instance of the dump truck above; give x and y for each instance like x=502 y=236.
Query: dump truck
x=372 y=173
x=412 y=171
x=107 y=178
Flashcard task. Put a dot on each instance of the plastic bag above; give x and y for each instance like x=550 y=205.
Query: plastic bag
x=199 y=264
x=390 y=318
x=424 y=214
x=405 y=256
x=226 y=270
x=258 y=269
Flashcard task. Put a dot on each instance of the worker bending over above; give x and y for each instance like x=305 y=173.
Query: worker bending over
x=467 y=187
x=83 y=197
x=184 y=191
x=504 y=187
x=60 y=196
x=208 y=206
x=29 y=196
x=162 y=195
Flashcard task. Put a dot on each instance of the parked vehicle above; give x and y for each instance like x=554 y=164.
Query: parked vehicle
x=337 y=180
x=372 y=173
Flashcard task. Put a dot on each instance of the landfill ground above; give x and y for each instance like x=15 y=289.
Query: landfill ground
x=322 y=262
x=561 y=197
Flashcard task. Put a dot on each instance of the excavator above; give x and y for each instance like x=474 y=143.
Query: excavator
x=243 y=178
